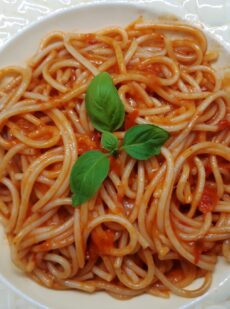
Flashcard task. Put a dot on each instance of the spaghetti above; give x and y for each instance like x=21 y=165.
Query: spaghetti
x=156 y=225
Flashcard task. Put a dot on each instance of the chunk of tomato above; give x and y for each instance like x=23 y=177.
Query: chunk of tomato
x=208 y=199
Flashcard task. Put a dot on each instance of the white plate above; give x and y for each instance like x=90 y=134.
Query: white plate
x=89 y=17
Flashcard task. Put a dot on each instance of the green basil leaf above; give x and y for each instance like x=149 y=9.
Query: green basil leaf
x=143 y=141
x=87 y=175
x=109 y=141
x=103 y=104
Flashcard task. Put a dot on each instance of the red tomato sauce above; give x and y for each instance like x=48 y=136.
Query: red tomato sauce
x=45 y=246
x=103 y=240
x=208 y=199
x=24 y=124
x=130 y=119
x=96 y=137
x=176 y=275
x=115 y=166
x=208 y=170
x=154 y=68
x=198 y=249
x=135 y=93
x=224 y=165
x=86 y=143
x=224 y=124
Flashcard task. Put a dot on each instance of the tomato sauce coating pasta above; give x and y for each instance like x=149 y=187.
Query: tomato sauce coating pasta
x=155 y=226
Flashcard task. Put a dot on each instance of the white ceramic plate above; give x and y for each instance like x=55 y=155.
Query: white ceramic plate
x=89 y=17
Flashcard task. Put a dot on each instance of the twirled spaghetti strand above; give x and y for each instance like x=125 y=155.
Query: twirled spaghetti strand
x=154 y=226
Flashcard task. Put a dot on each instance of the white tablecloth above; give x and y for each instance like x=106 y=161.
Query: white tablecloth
x=18 y=14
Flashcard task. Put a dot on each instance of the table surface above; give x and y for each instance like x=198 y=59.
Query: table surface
x=18 y=14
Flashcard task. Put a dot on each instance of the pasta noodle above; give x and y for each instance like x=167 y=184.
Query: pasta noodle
x=155 y=226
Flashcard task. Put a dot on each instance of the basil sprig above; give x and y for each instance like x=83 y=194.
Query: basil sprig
x=103 y=104
x=106 y=112
x=109 y=142
x=87 y=175
x=144 y=140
